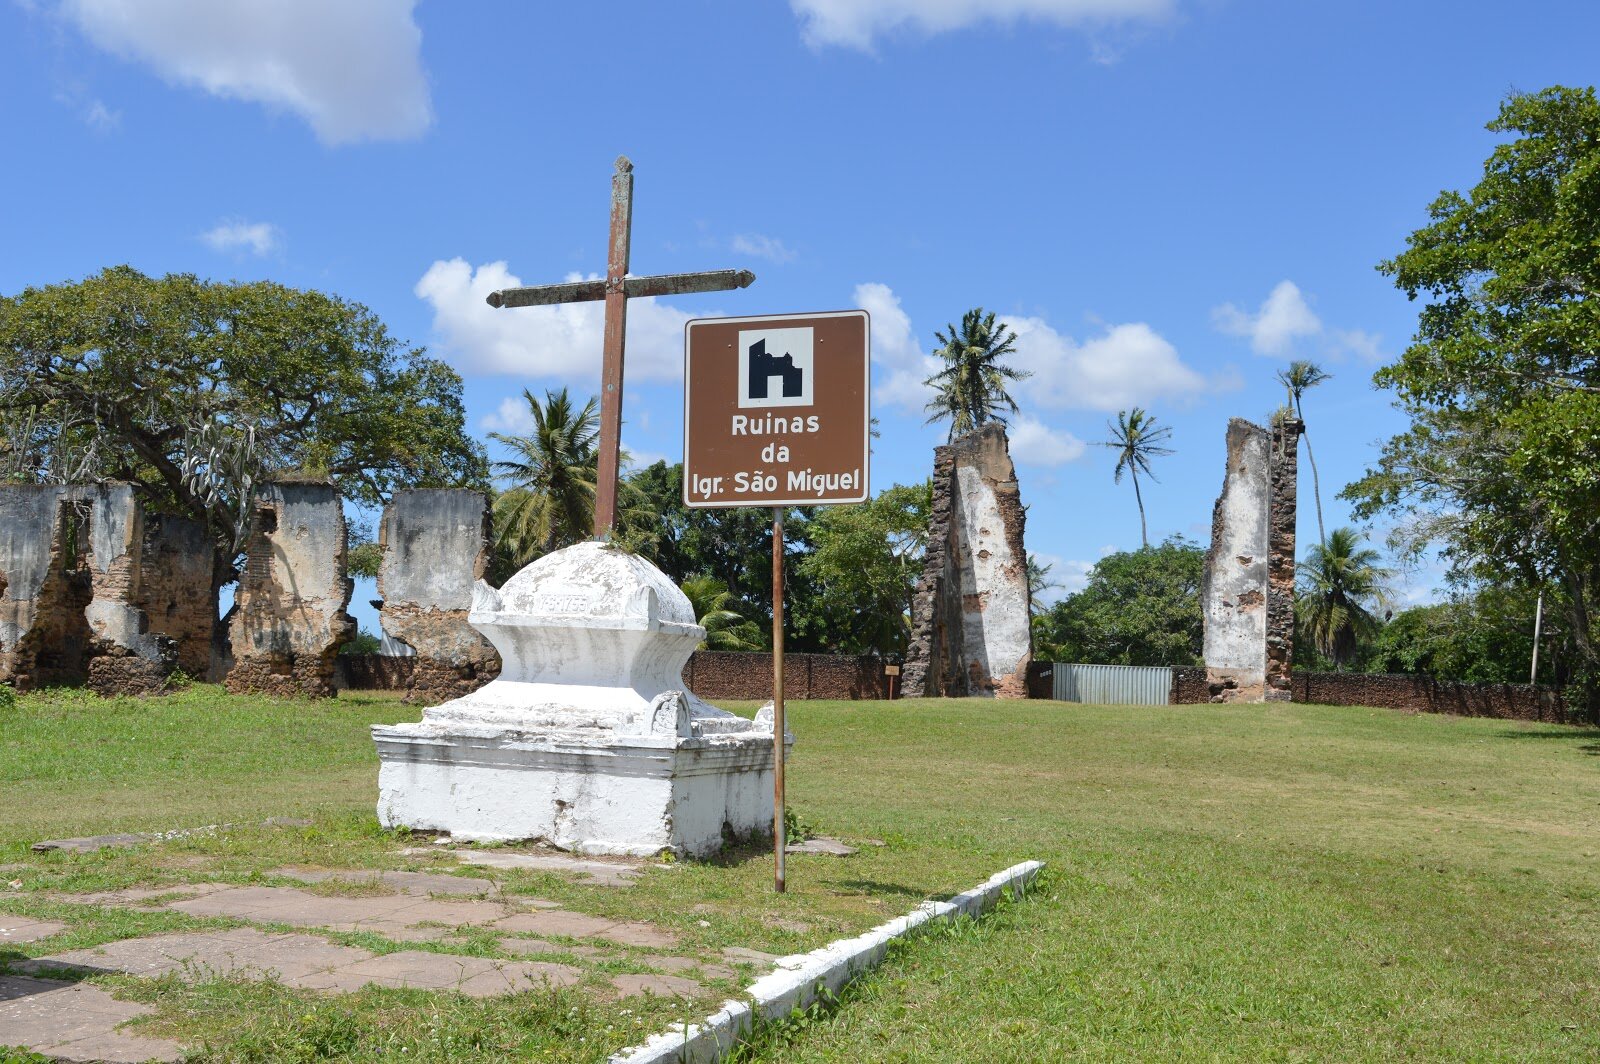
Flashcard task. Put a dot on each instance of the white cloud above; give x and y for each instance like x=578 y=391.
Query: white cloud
x=856 y=23
x=763 y=247
x=902 y=363
x=352 y=68
x=259 y=238
x=100 y=118
x=1033 y=443
x=562 y=341
x=1069 y=576
x=1364 y=345
x=1272 y=330
x=1128 y=364
x=511 y=417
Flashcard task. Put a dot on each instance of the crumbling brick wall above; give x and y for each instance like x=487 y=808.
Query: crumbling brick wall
x=125 y=657
x=176 y=589
x=1247 y=593
x=435 y=548
x=715 y=674
x=69 y=610
x=970 y=631
x=288 y=619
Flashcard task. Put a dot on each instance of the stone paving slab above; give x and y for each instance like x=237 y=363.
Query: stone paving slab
x=242 y=950
x=689 y=964
x=308 y=962
x=20 y=929
x=75 y=1022
x=821 y=845
x=385 y=914
x=142 y=896
x=594 y=873
x=740 y=955
x=533 y=947
x=416 y=884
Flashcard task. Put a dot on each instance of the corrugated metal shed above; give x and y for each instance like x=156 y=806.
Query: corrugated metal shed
x=1113 y=685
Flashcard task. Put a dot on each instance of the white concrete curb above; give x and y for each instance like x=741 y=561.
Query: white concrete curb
x=804 y=977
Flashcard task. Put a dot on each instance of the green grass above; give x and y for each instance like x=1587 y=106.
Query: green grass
x=1240 y=882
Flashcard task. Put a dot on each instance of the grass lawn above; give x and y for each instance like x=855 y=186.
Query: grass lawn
x=1246 y=882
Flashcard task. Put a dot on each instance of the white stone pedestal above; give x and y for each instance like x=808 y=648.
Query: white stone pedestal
x=586 y=740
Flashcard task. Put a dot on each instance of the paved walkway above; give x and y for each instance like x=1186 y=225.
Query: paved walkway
x=78 y=1021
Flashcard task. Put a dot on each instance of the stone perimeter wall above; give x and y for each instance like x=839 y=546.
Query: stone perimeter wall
x=1409 y=694
x=970 y=631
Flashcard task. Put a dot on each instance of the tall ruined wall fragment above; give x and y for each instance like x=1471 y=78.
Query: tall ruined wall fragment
x=435 y=547
x=70 y=561
x=176 y=590
x=1247 y=594
x=970 y=630
x=125 y=656
x=289 y=618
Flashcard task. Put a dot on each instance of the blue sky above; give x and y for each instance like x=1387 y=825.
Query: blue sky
x=1167 y=199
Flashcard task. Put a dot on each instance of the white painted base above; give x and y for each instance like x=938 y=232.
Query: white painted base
x=634 y=795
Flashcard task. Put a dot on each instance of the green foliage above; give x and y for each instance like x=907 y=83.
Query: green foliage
x=1340 y=585
x=1297 y=379
x=8 y=698
x=972 y=385
x=1501 y=467
x=550 y=503
x=363 y=556
x=1483 y=636
x=158 y=381
x=712 y=602
x=861 y=570
x=1136 y=438
x=363 y=643
x=733 y=546
x=1139 y=607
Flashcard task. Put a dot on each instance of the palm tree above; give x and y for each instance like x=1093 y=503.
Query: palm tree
x=1339 y=581
x=550 y=503
x=726 y=629
x=1300 y=376
x=972 y=385
x=1137 y=438
x=1039 y=583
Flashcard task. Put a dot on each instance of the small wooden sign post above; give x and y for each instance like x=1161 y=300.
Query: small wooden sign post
x=776 y=413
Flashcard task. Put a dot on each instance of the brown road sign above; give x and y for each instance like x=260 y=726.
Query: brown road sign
x=775 y=410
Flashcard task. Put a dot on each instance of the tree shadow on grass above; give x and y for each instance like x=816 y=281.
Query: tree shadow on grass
x=1588 y=737
x=873 y=886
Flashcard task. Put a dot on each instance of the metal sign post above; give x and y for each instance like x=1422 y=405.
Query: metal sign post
x=776 y=413
x=779 y=841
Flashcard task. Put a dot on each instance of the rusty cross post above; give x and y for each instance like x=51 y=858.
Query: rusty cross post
x=616 y=290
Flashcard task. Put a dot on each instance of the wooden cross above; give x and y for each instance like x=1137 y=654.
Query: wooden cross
x=616 y=290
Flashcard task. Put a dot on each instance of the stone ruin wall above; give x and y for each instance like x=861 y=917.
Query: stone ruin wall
x=970 y=616
x=288 y=619
x=72 y=561
x=1247 y=594
x=176 y=589
x=436 y=545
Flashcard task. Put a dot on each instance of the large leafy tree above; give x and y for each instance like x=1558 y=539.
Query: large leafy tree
x=1137 y=438
x=971 y=388
x=856 y=580
x=1500 y=469
x=196 y=390
x=1139 y=607
x=1482 y=635
x=1341 y=587
x=1298 y=378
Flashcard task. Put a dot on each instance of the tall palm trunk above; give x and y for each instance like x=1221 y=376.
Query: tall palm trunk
x=1144 y=533
x=1316 y=485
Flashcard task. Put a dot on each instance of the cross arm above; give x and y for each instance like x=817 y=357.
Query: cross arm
x=665 y=284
